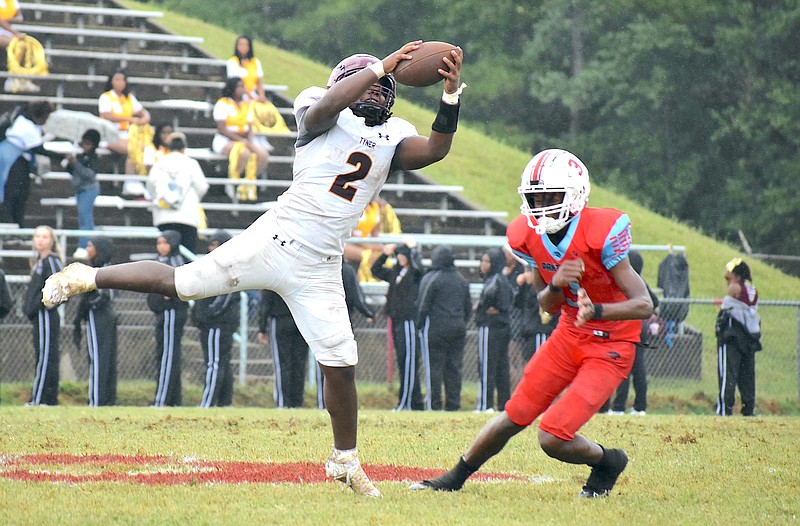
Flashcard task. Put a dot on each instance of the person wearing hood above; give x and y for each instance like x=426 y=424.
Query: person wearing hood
x=493 y=318
x=171 y=314
x=444 y=308
x=217 y=318
x=738 y=331
x=401 y=299
x=96 y=309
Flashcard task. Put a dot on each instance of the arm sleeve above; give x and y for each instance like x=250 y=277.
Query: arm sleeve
x=617 y=243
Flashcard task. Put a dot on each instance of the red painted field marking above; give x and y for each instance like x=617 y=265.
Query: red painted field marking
x=161 y=470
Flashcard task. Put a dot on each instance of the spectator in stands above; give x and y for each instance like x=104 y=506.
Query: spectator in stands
x=177 y=184
x=117 y=104
x=289 y=350
x=95 y=308
x=9 y=14
x=217 y=318
x=738 y=331
x=23 y=138
x=234 y=138
x=171 y=314
x=46 y=321
x=83 y=169
x=639 y=370
x=158 y=148
x=401 y=301
x=444 y=308
x=244 y=65
x=378 y=218
x=296 y=247
x=492 y=316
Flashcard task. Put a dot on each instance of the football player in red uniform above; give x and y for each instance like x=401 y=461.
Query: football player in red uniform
x=579 y=259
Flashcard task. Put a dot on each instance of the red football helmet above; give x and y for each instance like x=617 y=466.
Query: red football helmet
x=553 y=172
x=374 y=113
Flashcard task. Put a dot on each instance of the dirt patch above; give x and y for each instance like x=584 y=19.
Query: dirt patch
x=161 y=470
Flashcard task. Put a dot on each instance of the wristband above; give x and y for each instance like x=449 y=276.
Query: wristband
x=446 y=120
x=598 y=311
x=452 y=98
x=552 y=288
x=377 y=68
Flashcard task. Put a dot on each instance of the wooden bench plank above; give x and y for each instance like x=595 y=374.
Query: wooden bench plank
x=134 y=57
x=173 y=104
x=107 y=33
x=89 y=10
x=267 y=183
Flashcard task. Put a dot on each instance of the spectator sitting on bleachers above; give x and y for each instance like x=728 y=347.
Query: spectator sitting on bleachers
x=378 y=218
x=244 y=65
x=234 y=138
x=120 y=106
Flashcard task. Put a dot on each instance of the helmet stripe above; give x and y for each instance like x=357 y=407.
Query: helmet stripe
x=537 y=170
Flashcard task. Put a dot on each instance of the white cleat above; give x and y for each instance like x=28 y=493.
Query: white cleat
x=346 y=468
x=75 y=279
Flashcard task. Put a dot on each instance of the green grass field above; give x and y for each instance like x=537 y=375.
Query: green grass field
x=683 y=469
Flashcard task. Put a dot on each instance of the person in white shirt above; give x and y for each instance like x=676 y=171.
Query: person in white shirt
x=24 y=134
x=347 y=144
x=178 y=184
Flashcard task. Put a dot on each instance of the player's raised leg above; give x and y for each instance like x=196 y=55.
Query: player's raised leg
x=139 y=276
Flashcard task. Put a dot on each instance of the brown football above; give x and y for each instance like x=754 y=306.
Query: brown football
x=421 y=70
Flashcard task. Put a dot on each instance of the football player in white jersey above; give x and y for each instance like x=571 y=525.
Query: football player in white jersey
x=347 y=144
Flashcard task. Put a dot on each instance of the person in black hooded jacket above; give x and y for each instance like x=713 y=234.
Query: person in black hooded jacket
x=217 y=318
x=96 y=309
x=444 y=307
x=171 y=315
x=493 y=317
x=401 y=300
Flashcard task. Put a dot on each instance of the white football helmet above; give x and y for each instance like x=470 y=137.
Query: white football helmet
x=553 y=171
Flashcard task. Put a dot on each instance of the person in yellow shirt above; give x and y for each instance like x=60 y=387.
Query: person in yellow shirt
x=247 y=67
x=378 y=218
x=118 y=105
x=234 y=137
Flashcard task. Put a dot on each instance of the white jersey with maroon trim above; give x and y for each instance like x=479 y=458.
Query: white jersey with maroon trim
x=336 y=175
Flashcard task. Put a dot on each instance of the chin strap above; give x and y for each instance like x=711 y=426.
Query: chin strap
x=372 y=113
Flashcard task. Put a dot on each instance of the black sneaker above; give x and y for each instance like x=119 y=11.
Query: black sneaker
x=602 y=479
x=436 y=484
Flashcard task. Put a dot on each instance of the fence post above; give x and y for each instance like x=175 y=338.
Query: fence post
x=244 y=306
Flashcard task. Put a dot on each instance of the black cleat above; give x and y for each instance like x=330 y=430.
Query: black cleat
x=604 y=475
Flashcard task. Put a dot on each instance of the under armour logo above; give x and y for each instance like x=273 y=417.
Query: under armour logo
x=382 y=136
x=614 y=355
x=275 y=238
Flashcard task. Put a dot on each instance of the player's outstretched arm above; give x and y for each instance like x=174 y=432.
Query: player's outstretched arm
x=417 y=152
x=322 y=115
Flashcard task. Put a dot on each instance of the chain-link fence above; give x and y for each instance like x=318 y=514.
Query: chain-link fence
x=681 y=360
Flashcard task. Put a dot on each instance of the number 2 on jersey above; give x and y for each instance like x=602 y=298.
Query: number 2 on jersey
x=342 y=185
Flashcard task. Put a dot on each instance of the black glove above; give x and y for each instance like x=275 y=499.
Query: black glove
x=76 y=334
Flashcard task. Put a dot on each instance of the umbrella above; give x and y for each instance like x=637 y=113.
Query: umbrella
x=71 y=125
